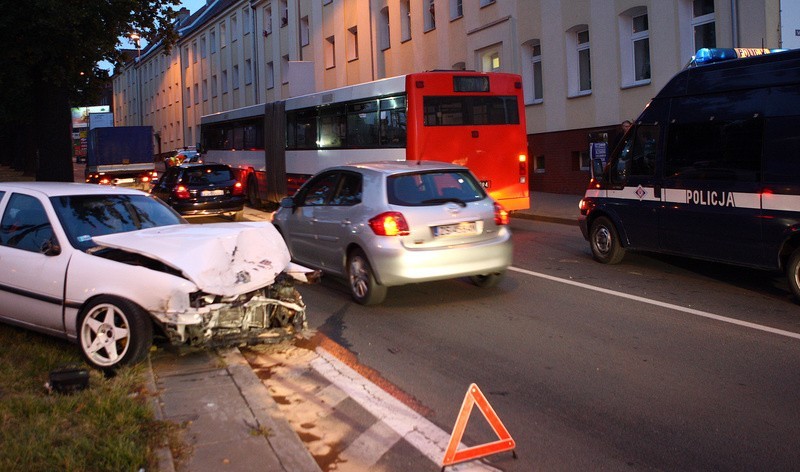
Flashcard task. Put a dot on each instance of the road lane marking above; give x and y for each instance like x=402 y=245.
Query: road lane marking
x=417 y=430
x=671 y=306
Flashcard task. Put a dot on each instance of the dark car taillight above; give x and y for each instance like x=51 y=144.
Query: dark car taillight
x=500 y=214
x=238 y=189
x=390 y=223
x=180 y=192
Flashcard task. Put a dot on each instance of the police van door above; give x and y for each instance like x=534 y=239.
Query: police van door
x=712 y=173
x=634 y=193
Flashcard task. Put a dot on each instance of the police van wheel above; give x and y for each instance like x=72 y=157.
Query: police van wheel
x=793 y=274
x=604 y=239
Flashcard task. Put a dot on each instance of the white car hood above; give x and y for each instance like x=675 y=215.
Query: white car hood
x=220 y=258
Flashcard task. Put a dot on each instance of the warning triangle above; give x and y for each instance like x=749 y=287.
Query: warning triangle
x=504 y=442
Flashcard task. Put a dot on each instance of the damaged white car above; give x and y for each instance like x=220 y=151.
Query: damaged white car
x=107 y=267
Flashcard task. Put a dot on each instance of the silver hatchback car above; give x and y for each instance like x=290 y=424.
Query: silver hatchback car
x=392 y=223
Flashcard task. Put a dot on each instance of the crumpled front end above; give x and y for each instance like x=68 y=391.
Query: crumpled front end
x=269 y=314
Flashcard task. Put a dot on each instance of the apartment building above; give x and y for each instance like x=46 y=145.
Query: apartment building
x=587 y=65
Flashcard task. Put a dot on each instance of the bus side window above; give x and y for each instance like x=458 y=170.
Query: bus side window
x=637 y=156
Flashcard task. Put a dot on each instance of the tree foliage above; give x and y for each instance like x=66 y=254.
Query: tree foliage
x=49 y=63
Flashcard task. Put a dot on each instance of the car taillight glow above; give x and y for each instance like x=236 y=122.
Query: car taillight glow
x=390 y=223
x=238 y=189
x=181 y=191
x=500 y=214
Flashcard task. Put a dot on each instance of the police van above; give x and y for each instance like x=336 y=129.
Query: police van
x=710 y=169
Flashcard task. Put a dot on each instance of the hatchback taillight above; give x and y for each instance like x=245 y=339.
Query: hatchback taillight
x=181 y=192
x=390 y=223
x=500 y=214
x=238 y=189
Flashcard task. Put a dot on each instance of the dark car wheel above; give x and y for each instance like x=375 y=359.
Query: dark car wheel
x=363 y=286
x=605 y=242
x=793 y=274
x=113 y=332
x=487 y=280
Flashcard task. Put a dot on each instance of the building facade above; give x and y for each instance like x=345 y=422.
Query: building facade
x=587 y=65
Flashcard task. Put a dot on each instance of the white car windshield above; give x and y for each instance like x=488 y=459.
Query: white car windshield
x=86 y=216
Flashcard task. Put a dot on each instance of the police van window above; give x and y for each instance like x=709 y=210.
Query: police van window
x=717 y=149
x=637 y=156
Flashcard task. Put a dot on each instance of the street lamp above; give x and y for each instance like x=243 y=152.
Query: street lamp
x=135 y=38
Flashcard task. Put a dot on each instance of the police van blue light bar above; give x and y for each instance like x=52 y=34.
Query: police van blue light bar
x=712 y=55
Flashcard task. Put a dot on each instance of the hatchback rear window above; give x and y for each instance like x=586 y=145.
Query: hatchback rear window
x=433 y=188
x=207 y=175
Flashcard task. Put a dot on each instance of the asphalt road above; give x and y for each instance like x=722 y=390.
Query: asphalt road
x=654 y=364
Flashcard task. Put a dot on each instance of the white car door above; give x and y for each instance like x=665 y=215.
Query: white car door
x=31 y=281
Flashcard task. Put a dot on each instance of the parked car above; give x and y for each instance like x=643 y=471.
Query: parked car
x=201 y=190
x=107 y=266
x=393 y=223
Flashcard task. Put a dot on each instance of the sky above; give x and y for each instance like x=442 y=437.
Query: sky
x=192 y=5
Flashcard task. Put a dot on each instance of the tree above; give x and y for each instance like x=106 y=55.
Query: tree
x=49 y=63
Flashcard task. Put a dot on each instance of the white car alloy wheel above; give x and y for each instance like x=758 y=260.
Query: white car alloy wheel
x=114 y=332
x=363 y=286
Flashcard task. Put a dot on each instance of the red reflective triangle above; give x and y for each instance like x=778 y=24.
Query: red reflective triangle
x=504 y=442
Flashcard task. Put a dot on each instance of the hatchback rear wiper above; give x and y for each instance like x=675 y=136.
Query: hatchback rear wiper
x=460 y=202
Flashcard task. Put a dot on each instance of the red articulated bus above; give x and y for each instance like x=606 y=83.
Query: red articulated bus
x=473 y=119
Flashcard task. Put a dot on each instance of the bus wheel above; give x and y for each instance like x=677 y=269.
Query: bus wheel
x=793 y=274
x=604 y=239
x=252 y=193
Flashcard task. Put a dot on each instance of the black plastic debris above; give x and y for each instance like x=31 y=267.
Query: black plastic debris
x=68 y=379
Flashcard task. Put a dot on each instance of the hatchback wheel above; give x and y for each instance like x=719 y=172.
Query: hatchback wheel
x=793 y=274
x=113 y=332
x=363 y=286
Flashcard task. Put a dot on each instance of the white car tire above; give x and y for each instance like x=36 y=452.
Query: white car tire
x=113 y=332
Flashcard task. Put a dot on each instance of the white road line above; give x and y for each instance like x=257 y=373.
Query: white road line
x=422 y=434
x=690 y=311
x=363 y=453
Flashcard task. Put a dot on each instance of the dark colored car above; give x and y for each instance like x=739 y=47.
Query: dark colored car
x=201 y=190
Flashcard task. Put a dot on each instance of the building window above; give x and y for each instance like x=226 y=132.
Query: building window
x=538 y=164
x=194 y=52
x=213 y=85
x=224 y=81
x=234 y=28
x=205 y=89
x=304 y=31
x=189 y=97
x=268 y=20
x=383 y=29
x=196 y=93
x=248 y=72
x=635 y=46
x=486 y=2
x=489 y=58
x=456 y=9
x=429 y=14
x=532 y=75
x=703 y=24
x=285 y=69
x=213 y=41
x=284 y=5
x=581 y=160
x=235 y=77
x=186 y=56
x=203 y=47
x=245 y=20
x=270 y=75
x=579 y=66
x=405 y=20
x=330 y=52
x=584 y=61
x=352 y=43
x=222 y=35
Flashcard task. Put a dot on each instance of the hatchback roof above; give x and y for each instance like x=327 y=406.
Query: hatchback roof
x=52 y=189
x=394 y=167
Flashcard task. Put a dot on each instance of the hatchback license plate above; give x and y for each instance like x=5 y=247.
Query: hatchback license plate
x=465 y=227
x=211 y=193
